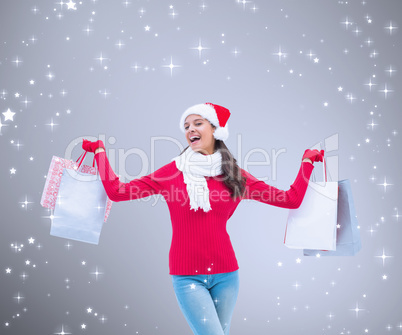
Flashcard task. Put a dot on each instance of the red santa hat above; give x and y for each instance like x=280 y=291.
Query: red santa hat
x=217 y=115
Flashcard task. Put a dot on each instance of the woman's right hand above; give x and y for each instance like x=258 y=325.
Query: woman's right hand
x=92 y=146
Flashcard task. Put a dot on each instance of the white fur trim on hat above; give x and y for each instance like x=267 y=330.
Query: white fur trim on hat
x=207 y=112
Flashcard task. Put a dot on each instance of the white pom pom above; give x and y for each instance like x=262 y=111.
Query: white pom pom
x=222 y=133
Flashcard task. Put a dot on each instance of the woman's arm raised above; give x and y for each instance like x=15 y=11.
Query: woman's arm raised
x=292 y=198
x=258 y=190
x=136 y=188
x=145 y=186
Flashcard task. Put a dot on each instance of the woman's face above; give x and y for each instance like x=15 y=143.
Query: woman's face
x=201 y=130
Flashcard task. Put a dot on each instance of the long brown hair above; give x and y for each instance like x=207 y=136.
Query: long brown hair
x=233 y=177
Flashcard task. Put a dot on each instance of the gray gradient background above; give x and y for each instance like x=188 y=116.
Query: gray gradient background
x=272 y=109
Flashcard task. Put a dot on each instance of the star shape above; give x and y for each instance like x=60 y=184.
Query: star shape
x=83 y=326
x=89 y=310
x=71 y=5
x=17 y=95
x=316 y=60
x=31 y=240
x=8 y=115
x=147 y=28
x=12 y=170
x=340 y=89
x=32 y=82
x=8 y=270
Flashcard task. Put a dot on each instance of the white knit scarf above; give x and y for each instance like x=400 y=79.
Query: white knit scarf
x=195 y=166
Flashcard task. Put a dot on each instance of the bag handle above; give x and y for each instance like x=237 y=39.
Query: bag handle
x=324 y=171
x=82 y=159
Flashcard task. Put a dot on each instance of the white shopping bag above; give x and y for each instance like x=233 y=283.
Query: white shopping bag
x=80 y=207
x=313 y=224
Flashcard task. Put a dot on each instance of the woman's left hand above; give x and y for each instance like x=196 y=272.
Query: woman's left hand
x=313 y=155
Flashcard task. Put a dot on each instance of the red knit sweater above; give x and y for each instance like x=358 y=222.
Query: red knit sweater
x=200 y=243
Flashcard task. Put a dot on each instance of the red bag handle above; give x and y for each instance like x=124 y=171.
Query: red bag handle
x=84 y=153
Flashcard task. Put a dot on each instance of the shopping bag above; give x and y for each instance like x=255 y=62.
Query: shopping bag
x=53 y=179
x=80 y=207
x=313 y=224
x=348 y=241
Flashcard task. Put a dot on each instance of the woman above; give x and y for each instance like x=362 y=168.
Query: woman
x=202 y=187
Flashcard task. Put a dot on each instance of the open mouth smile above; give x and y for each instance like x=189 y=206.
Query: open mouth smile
x=194 y=139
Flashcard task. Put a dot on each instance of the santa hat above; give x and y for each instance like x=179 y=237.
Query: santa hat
x=215 y=114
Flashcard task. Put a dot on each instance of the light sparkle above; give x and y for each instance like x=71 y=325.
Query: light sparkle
x=357 y=309
x=280 y=54
x=62 y=332
x=171 y=66
x=385 y=91
x=383 y=257
x=200 y=48
x=391 y=28
x=385 y=184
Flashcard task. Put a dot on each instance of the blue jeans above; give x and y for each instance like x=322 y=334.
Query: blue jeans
x=207 y=301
